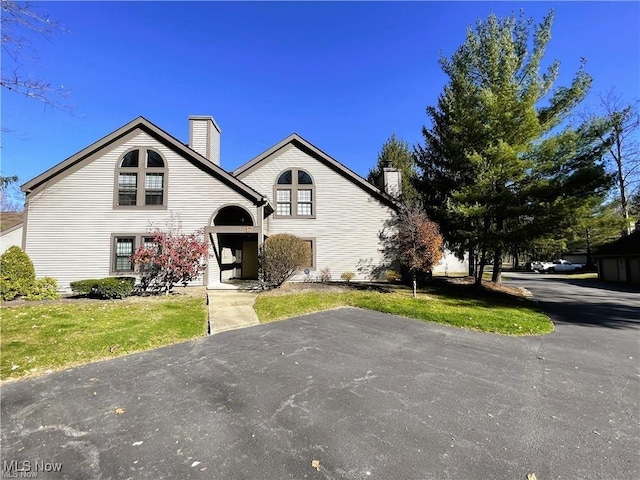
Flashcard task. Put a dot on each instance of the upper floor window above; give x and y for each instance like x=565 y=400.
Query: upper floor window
x=295 y=194
x=141 y=180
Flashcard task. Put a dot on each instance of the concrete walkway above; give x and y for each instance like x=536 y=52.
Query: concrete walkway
x=230 y=310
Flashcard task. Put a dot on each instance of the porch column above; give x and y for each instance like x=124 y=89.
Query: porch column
x=213 y=268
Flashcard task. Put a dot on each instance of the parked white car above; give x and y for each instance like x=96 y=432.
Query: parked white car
x=556 y=266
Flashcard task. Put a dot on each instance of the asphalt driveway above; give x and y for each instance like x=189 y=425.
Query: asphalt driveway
x=366 y=395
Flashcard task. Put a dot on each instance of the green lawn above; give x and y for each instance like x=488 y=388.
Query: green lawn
x=48 y=336
x=493 y=313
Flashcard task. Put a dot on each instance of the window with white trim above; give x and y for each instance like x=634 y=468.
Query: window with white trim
x=295 y=194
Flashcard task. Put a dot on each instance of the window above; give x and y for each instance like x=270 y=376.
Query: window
x=125 y=245
x=141 y=183
x=127 y=188
x=294 y=193
x=123 y=249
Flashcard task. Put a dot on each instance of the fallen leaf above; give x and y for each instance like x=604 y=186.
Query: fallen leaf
x=135 y=444
x=316 y=464
x=532 y=476
x=119 y=411
x=195 y=464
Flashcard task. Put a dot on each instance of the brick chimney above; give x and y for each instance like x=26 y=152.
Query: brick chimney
x=204 y=137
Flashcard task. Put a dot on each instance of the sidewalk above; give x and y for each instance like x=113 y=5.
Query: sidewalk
x=230 y=310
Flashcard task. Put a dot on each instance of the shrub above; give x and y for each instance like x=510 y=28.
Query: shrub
x=43 y=289
x=109 y=287
x=325 y=275
x=347 y=276
x=280 y=258
x=393 y=276
x=18 y=273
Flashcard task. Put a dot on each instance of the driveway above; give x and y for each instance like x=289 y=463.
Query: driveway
x=364 y=394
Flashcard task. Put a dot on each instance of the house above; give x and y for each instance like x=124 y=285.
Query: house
x=619 y=261
x=85 y=216
x=10 y=230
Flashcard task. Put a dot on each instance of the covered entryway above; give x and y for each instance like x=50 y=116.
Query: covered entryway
x=235 y=240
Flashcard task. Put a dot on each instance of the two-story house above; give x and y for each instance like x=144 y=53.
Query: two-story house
x=85 y=216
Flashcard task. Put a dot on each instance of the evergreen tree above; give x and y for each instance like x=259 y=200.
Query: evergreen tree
x=395 y=153
x=496 y=168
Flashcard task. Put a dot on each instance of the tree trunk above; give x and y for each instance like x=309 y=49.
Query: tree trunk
x=516 y=259
x=621 y=182
x=480 y=270
x=414 y=284
x=496 y=276
x=472 y=261
x=588 y=265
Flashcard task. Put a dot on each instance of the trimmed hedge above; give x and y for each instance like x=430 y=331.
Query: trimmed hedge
x=109 y=287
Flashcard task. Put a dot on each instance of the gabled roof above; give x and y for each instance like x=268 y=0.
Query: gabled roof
x=168 y=140
x=624 y=246
x=323 y=158
x=10 y=219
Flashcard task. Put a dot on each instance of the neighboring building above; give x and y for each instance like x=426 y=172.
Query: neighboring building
x=85 y=216
x=619 y=261
x=10 y=230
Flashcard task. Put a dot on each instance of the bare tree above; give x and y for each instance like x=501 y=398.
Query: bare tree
x=20 y=21
x=623 y=158
x=11 y=198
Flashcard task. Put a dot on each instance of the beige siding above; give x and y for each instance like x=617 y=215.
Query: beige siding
x=347 y=222
x=200 y=140
x=11 y=237
x=70 y=222
x=205 y=138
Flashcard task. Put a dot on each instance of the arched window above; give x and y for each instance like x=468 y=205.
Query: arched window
x=141 y=180
x=295 y=194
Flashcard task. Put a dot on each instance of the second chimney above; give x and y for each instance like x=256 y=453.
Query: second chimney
x=391 y=182
x=204 y=137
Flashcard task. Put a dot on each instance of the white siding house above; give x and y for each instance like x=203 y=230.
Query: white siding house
x=346 y=214
x=86 y=214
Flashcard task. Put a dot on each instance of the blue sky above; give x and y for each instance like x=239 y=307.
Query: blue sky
x=343 y=75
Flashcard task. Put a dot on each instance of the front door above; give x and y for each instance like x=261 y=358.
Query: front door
x=250 y=260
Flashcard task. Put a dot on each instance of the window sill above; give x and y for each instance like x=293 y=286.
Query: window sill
x=138 y=207
x=292 y=217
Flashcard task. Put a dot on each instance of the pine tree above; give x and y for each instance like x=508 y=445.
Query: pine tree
x=395 y=153
x=496 y=166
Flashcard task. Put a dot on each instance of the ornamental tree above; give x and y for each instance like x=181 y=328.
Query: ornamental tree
x=171 y=258
x=418 y=243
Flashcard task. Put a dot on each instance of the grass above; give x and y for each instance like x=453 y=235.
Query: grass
x=49 y=336
x=578 y=276
x=459 y=307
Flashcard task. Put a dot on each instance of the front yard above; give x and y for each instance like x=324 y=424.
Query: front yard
x=456 y=304
x=49 y=335
x=56 y=334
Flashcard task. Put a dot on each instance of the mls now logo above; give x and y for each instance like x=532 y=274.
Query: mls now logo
x=27 y=468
